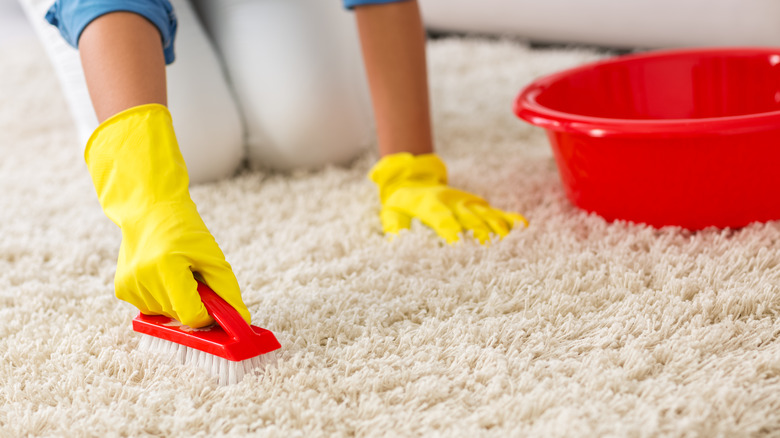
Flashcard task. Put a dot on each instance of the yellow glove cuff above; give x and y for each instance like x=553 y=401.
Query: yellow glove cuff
x=143 y=186
x=404 y=169
x=135 y=162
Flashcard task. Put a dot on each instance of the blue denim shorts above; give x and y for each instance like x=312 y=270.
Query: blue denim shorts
x=72 y=16
x=349 y=4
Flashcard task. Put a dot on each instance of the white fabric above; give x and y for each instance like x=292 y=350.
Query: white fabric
x=67 y=65
x=614 y=23
x=299 y=79
x=206 y=119
x=296 y=70
x=571 y=328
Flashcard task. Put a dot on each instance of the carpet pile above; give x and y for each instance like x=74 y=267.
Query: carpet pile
x=571 y=327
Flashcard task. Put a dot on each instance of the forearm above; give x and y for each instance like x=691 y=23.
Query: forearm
x=393 y=43
x=123 y=63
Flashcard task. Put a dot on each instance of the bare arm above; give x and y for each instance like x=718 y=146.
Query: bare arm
x=393 y=43
x=123 y=63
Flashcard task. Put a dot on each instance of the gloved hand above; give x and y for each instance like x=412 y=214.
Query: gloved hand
x=142 y=184
x=416 y=186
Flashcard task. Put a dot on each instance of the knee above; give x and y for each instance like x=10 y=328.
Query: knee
x=312 y=127
x=212 y=144
x=208 y=125
x=207 y=120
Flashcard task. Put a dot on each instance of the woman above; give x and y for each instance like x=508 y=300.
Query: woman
x=301 y=99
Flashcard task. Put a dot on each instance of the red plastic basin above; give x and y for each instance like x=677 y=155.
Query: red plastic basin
x=684 y=137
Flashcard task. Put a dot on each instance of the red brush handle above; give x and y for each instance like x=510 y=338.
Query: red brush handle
x=226 y=316
x=233 y=339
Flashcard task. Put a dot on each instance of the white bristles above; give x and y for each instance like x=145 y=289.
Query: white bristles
x=226 y=371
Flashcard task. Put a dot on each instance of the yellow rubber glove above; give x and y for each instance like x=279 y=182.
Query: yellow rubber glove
x=142 y=184
x=416 y=187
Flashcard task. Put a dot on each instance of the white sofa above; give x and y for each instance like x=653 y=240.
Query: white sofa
x=614 y=23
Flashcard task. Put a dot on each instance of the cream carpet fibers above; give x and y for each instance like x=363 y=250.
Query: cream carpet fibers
x=572 y=327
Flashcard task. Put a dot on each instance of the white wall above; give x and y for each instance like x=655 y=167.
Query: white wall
x=13 y=24
x=615 y=23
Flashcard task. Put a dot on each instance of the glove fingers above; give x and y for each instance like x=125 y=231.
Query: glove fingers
x=500 y=222
x=474 y=219
x=494 y=218
x=139 y=296
x=393 y=221
x=182 y=290
x=220 y=278
x=129 y=288
x=428 y=209
x=515 y=218
x=443 y=221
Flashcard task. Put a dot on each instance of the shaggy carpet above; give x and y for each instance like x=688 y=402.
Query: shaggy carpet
x=572 y=327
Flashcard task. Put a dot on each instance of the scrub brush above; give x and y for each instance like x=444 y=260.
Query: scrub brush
x=228 y=350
